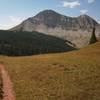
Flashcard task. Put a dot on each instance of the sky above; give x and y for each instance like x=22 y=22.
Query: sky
x=13 y=12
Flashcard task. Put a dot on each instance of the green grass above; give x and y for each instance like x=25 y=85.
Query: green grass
x=63 y=76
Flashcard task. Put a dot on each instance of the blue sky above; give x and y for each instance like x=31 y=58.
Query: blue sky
x=14 y=12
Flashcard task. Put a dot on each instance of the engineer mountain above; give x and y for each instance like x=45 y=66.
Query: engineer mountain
x=77 y=30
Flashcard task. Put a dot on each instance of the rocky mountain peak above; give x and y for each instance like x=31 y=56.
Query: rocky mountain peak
x=47 y=12
x=77 y=30
x=84 y=16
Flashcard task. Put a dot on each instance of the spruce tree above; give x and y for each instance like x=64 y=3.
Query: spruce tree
x=93 y=38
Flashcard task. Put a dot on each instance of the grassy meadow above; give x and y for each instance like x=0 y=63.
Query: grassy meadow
x=1 y=88
x=63 y=76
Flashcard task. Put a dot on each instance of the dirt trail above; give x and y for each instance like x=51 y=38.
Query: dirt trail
x=7 y=85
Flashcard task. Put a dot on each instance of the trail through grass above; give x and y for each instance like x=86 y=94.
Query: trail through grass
x=66 y=76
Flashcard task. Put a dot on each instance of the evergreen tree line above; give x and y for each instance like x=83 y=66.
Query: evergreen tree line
x=93 y=38
x=25 y=43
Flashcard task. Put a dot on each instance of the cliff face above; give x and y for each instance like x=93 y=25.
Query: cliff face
x=77 y=30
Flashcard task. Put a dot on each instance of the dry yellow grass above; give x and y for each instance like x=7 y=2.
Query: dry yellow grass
x=1 y=87
x=66 y=76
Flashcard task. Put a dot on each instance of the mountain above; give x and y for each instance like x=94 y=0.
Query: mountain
x=30 y=43
x=77 y=30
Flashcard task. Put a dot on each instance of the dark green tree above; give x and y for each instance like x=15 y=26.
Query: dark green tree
x=93 y=38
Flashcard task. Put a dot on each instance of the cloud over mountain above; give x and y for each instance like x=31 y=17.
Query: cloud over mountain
x=72 y=4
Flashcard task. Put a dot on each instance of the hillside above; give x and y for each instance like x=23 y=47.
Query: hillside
x=30 y=43
x=66 y=76
x=77 y=30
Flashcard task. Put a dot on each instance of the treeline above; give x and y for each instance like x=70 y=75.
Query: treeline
x=30 y=43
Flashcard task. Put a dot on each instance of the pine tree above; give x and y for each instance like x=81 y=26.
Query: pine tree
x=93 y=38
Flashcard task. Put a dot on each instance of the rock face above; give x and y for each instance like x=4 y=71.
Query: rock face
x=77 y=30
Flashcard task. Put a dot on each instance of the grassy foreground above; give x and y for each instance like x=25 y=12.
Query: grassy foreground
x=66 y=76
x=1 y=87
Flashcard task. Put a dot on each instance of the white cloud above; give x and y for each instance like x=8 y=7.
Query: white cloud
x=5 y=26
x=15 y=20
x=83 y=11
x=71 y=4
x=91 y=1
x=12 y=21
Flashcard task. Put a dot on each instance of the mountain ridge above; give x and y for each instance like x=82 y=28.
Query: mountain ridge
x=77 y=30
x=50 y=12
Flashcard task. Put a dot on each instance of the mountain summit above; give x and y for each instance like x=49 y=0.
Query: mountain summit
x=77 y=30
